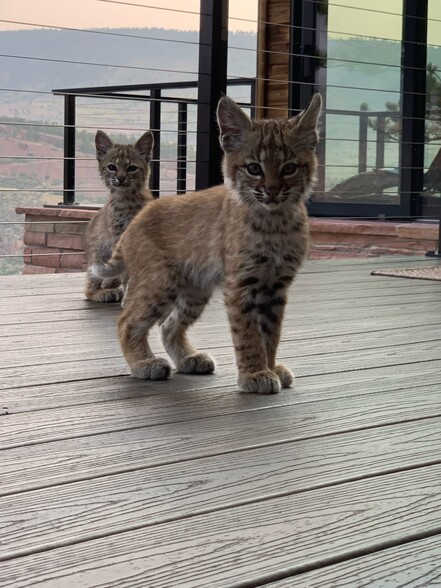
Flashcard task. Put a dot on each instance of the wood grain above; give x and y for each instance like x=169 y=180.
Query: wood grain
x=109 y=481
x=84 y=510
x=413 y=565
x=215 y=396
x=80 y=446
x=251 y=542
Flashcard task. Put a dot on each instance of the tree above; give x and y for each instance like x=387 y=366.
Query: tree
x=392 y=127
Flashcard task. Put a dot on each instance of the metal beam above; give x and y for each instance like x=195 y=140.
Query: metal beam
x=413 y=110
x=212 y=84
x=69 y=151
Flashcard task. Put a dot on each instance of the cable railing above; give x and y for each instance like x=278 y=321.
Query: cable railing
x=154 y=95
x=362 y=168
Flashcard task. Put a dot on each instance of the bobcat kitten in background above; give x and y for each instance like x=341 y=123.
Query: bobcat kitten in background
x=251 y=235
x=124 y=170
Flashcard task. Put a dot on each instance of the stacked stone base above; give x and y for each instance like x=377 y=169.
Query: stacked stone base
x=53 y=239
x=357 y=238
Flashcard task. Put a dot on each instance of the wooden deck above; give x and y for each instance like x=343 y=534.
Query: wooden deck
x=110 y=481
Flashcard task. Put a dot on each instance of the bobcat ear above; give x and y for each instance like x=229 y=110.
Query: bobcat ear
x=233 y=123
x=144 y=145
x=103 y=144
x=307 y=121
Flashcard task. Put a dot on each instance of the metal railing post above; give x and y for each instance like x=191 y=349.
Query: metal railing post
x=381 y=128
x=413 y=103
x=362 y=142
x=181 y=182
x=155 y=127
x=69 y=151
x=212 y=83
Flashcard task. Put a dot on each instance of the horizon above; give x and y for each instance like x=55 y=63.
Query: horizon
x=345 y=17
x=96 y=14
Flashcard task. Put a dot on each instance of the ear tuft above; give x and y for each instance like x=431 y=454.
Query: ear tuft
x=144 y=145
x=308 y=120
x=103 y=144
x=233 y=123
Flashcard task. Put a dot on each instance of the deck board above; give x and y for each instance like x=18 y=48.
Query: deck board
x=414 y=565
x=109 y=481
x=225 y=547
x=86 y=510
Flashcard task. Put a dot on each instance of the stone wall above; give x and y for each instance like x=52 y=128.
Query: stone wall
x=359 y=238
x=53 y=238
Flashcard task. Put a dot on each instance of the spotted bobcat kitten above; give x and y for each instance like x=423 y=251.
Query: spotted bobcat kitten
x=251 y=235
x=124 y=170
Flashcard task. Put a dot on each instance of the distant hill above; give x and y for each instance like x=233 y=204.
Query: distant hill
x=144 y=55
x=157 y=49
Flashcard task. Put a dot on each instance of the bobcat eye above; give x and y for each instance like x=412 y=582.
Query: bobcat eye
x=111 y=167
x=289 y=169
x=132 y=168
x=254 y=169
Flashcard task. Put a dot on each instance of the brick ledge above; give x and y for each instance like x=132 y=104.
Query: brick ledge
x=330 y=238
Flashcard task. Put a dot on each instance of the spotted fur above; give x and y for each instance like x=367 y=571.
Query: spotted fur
x=124 y=170
x=250 y=235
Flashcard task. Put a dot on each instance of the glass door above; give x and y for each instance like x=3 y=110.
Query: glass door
x=360 y=167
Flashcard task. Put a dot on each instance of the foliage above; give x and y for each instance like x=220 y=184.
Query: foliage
x=392 y=124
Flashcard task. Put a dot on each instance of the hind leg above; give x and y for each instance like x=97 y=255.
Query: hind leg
x=142 y=309
x=187 y=309
x=99 y=290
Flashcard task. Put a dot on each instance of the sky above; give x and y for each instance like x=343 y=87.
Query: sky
x=169 y=14
x=346 y=17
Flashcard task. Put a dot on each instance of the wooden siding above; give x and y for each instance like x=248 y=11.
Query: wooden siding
x=273 y=58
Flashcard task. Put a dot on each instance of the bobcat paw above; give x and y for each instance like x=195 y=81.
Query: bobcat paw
x=264 y=382
x=155 y=368
x=198 y=363
x=114 y=295
x=285 y=375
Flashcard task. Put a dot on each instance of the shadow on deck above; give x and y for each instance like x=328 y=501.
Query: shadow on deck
x=110 y=481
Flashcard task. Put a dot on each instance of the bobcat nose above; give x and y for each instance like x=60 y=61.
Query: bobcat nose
x=272 y=191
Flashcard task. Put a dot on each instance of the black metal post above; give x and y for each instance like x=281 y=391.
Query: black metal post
x=307 y=61
x=69 y=151
x=182 y=148
x=302 y=44
x=212 y=84
x=381 y=135
x=362 y=142
x=413 y=62
x=155 y=127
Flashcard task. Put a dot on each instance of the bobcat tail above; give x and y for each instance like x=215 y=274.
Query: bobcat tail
x=112 y=268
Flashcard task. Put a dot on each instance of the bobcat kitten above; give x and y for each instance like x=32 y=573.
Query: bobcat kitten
x=251 y=235
x=125 y=170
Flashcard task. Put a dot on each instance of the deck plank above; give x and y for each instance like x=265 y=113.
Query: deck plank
x=79 y=511
x=194 y=390
x=250 y=542
x=413 y=565
x=86 y=447
x=107 y=363
x=110 y=481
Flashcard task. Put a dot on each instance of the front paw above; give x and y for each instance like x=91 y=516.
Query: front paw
x=198 y=363
x=154 y=368
x=114 y=295
x=285 y=375
x=263 y=382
